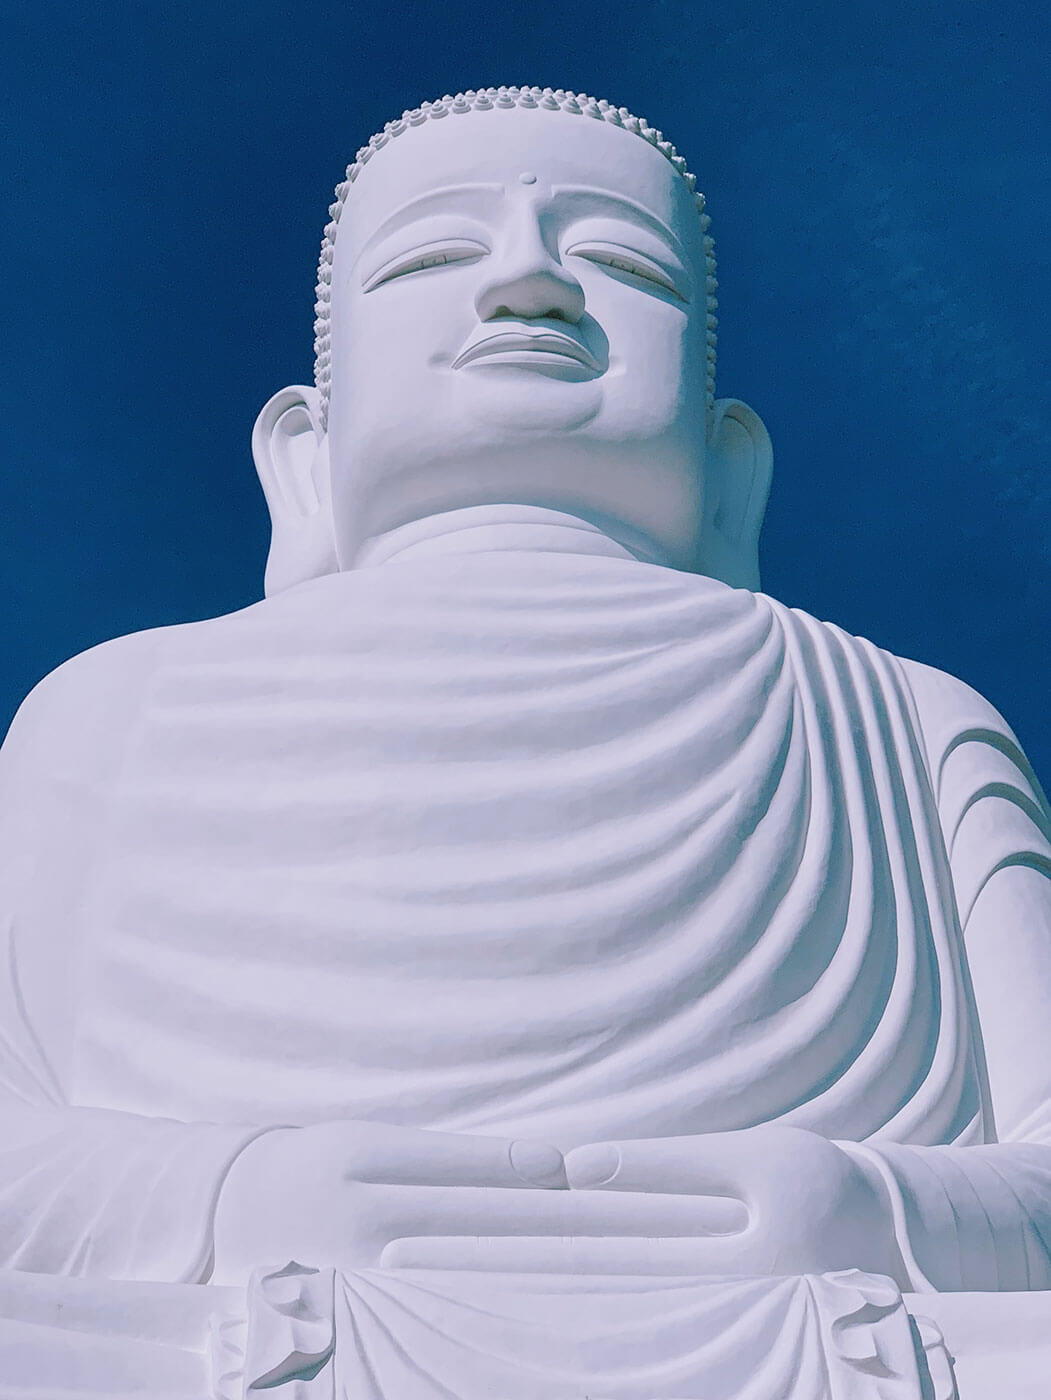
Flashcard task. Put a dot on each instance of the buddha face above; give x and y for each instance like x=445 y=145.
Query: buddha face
x=518 y=316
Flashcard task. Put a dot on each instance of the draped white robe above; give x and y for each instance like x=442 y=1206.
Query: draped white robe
x=548 y=845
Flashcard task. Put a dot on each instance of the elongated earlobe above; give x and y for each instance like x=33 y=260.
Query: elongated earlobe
x=290 y=449
x=740 y=463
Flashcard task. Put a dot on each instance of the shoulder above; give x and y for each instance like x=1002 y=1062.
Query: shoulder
x=86 y=706
x=952 y=713
x=945 y=712
x=990 y=801
x=74 y=707
x=77 y=718
x=86 y=678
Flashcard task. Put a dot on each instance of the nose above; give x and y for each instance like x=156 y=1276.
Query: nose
x=527 y=283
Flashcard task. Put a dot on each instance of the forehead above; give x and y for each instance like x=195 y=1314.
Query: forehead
x=496 y=147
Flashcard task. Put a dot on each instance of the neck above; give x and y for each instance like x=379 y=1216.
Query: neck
x=489 y=529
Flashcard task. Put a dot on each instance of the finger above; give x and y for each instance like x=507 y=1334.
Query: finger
x=378 y=1152
x=487 y=1212
x=712 y=1164
x=568 y=1254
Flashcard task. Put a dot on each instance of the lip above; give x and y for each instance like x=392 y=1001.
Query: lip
x=525 y=347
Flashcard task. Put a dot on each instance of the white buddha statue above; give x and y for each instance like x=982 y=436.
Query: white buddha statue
x=517 y=898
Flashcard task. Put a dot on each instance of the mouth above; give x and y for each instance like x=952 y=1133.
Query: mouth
x=529 y=349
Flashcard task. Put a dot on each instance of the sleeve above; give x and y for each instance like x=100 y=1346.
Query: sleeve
x=967 y=1219
x=83 y=1191
x=979 y=1217
x=93 y=1193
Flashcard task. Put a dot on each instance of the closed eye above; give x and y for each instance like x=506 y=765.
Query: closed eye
x=419 y=259
x=623 y=260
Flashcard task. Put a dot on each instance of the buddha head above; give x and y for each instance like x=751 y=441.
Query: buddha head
x=515 y=308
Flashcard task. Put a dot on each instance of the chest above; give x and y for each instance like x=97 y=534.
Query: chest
x=633 y=887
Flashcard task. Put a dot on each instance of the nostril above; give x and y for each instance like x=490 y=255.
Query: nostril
x=551 y=313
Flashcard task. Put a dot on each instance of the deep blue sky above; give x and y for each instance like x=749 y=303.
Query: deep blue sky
x=879 y=180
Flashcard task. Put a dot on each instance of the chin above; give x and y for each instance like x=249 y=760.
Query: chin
x=525 y=401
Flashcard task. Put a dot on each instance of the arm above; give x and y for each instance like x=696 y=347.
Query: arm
x=980 y=1217
x=83 y=1191
x=997 y=831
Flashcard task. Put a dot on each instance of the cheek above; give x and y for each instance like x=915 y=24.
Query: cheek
x=404 y=328
x=651 y=337
x=656 y=367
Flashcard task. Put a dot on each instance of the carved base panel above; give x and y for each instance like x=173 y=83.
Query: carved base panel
x=303 y=1334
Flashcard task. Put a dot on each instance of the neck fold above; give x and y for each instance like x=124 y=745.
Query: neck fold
x=488 y=529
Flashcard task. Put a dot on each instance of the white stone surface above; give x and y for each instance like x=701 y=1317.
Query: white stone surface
x=602 y=979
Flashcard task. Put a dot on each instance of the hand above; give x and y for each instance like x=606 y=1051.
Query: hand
x=337 y=1193
x=811 y=1206
x=357 y=1194
x=793 y=1203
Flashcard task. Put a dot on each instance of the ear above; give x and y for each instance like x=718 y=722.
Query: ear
x=740 y=462
x=290 y=449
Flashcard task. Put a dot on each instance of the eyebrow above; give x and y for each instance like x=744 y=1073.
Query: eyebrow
x=479 y=196
x=618 y=204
